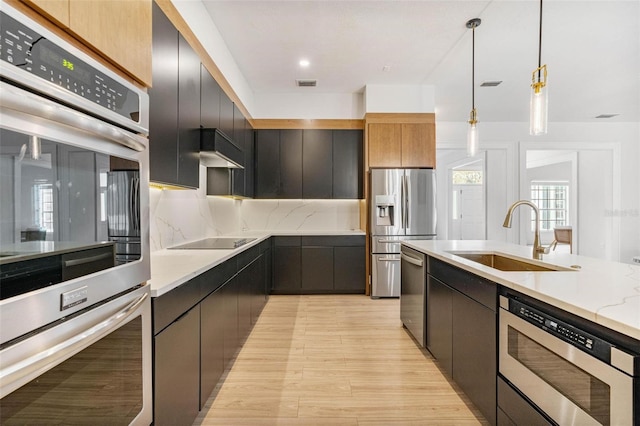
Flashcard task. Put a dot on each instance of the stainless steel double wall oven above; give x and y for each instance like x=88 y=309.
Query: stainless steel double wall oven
x=75 y=326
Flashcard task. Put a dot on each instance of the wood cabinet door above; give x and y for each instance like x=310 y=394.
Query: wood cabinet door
x=58 y=10
x=418 y=145
x=121 y=30
x=385 y=145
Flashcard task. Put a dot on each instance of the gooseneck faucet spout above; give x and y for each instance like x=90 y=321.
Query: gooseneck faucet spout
x=538 y=249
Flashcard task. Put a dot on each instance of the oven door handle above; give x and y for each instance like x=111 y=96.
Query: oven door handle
x=29 y=103
x=16 y=375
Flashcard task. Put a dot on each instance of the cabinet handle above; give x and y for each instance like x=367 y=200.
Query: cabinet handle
x=412 y=260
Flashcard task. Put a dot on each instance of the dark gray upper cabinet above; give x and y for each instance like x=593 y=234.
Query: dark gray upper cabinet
x=226 y=115
x=267 y=164
x=317 y=164
x=347 y=164
x=290 y=164
x=188 y=115
x=278 y=164
x=312 y=164
x=209 y=100
x=163 y=98
x=249 y=162
x=174 y=117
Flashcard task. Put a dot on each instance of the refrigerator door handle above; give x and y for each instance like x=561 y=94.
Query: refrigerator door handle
x=402 y=202
x=407 y=206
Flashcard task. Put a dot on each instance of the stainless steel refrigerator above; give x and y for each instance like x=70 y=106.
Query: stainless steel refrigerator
x=123 y=214
x=403 y=206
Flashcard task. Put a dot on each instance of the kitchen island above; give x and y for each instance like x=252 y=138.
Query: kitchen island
x=525 y=338
x=605 y=292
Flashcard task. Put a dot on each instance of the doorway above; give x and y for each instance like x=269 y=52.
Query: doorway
x=467 y=199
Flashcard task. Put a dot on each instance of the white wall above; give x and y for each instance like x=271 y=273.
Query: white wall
x=623 y=219
x=309 y=105
x=399 y=98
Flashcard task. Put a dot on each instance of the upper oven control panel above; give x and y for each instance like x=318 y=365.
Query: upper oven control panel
x=43 y=56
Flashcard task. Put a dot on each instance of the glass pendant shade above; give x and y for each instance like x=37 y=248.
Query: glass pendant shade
x=538 y=107
x=472 y=140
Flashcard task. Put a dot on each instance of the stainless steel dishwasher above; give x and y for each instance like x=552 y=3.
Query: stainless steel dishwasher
x=413 y=298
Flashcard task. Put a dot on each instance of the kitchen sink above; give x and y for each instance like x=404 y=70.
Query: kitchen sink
x=508 y=263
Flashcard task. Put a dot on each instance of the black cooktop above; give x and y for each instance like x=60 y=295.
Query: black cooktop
x=219 y=243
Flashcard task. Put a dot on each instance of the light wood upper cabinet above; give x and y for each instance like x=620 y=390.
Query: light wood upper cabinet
x=408 y=142
x=385 y=145
x=57 y=10
x=119 y=30
x=418 y=145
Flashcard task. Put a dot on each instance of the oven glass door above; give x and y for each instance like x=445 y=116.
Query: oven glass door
x=104 y=381
x=568 y=384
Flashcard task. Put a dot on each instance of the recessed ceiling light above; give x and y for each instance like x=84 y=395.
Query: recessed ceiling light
x=490 y=83
x=606 y=115
x=304 y=63
x=386 y=68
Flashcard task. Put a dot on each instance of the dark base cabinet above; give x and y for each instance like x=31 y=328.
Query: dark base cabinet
x=514 y=409
x=461 y=331
x=198 y=328
x=319 y=265
x=176 y=374
x=212 y=326
x=440 y=323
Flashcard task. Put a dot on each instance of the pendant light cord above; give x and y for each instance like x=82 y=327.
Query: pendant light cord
x=540 y=43
x=473 y=67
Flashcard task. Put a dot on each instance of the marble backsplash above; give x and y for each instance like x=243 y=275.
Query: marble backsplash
x=185 y=215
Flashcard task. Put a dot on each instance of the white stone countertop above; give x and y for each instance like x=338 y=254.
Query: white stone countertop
x=605 y=292
x=170 y=268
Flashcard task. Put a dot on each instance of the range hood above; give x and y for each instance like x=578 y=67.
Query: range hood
x=217 y=150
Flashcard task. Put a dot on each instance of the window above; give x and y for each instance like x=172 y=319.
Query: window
x=43 y=205
x=552 y=199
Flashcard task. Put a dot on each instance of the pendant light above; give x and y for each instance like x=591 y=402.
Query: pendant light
x=472 y=133
x=539 y=96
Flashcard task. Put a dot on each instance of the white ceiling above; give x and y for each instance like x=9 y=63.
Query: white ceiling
x=592 y=49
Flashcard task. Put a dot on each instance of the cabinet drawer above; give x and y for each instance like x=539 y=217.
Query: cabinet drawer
x=334 y=240
x=473 y=286
x=171 y=305
x=214 y=278
x=286 y=241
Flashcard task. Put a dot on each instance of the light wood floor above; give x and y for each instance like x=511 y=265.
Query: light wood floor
x=335 y=360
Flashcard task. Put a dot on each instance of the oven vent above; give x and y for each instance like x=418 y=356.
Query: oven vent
x=306 y=83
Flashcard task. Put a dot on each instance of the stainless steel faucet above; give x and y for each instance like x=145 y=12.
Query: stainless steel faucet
x=538 y=249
